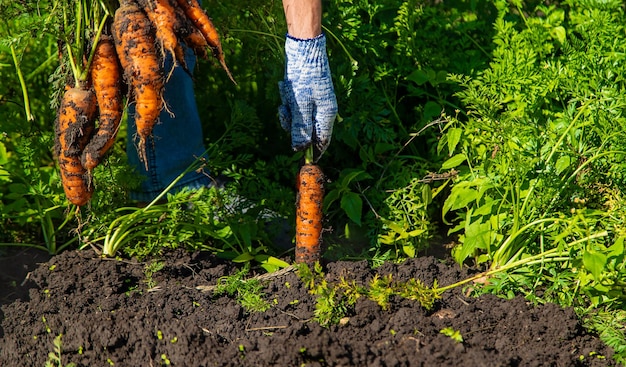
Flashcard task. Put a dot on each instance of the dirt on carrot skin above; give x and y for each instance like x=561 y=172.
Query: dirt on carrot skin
x=108 y=316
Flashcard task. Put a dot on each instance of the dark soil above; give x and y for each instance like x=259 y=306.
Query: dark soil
x=108 y=317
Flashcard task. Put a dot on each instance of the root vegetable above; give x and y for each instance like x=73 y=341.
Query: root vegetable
x=74 y=126
x=309 y=214
x=106 y=77
x=203 y=23
x=135 y=44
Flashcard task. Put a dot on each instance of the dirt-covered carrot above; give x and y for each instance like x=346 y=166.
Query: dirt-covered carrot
x=74 y=126
x=163 y=17
x=201 y=20
x=135 y=44
x=309 y=199
x=191 y=35
x=106 y=78
x=195 y=40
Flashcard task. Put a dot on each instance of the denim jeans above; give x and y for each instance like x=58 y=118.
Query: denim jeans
x=176 y=141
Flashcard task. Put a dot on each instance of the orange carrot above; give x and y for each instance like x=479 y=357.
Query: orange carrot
x=190 y=34
x=196 y=41
x=201 y=20
x=135 y=44
x=106 y=77
x=74 y=126
x=309 y=214
x=163 y=17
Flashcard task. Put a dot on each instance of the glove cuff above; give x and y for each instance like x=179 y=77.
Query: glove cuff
x=288 y=36
x=311 y=51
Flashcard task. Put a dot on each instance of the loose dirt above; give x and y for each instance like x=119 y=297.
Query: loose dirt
x=108 y=316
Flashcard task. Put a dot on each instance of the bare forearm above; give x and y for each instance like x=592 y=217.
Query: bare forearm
x=304 y=18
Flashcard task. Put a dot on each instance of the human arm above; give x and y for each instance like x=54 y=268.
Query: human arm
x=309 y=104
x=304 y=18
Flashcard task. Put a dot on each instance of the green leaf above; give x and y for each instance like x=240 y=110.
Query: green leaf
x=563 y=163
x=453 y=334
x=617 y=249
x=454 y=136
x=594 y=262
x=330 y=198
x=427 y=194
x=478 y=234
x=419 y=77
x=459 y=198
x=4 y=175
x=454 y=161
x=245 y=257
x=559 y=33
x=352 y=204
x=271 y=261
x=431 y=109
x=354 y=175
x=381 y=148
x=4 y=158
x=409 y=250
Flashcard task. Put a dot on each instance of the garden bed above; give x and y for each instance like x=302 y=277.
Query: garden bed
x=112 y=312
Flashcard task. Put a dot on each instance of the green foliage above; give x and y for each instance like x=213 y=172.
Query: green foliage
x=55 y=357
x=248 y=292
x=401 y=79
x=336 y=300
x=499 y=121
x=609 y=324
x=149 y=270
x=541 y=158
x=452 y=334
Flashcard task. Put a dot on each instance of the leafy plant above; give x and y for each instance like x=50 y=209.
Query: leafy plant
x=540 y=156
x=452 y=334
x=335 y=300
x=248 y=292
x=149 y=270
x=55 y=357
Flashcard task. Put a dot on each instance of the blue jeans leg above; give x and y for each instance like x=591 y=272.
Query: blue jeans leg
x=176 y=141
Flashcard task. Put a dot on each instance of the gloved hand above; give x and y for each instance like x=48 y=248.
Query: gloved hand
x=309 y=103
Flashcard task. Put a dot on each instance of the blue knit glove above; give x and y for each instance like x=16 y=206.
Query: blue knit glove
x=309 y=103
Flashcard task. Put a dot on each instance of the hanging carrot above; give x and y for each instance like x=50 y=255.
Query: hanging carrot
x=106 y=77
x=309 y=199
x=74 y=126
x=163 y=17
x=202 y=21
x=135 y=44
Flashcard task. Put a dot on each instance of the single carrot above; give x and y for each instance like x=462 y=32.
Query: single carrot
x=135 y=44
x=74 y=126
x=201 y=20
x=106 y=75
x=191 y=35
x=163 y=17
x=309 y=199
x=195 y=40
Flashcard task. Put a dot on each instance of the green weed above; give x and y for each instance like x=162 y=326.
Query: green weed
x=452 y=334
x=55 y=357
x=334 y=301
x=149 y=270
x=248 y=292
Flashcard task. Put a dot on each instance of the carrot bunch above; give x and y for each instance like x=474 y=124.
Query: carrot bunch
x=126 y=61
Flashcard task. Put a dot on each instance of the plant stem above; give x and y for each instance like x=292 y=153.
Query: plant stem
x=93 y=48
x=548 y=256
x=48 y=230
x=20 y=76
x=552 y=255
x=308 y=155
